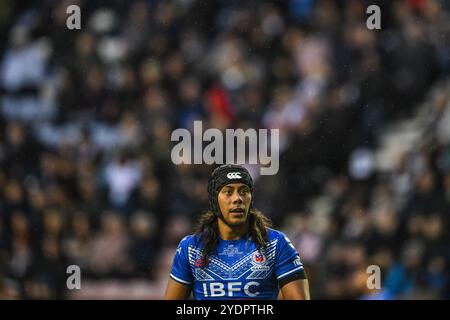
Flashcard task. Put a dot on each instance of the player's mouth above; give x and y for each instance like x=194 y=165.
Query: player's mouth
x=237 y=212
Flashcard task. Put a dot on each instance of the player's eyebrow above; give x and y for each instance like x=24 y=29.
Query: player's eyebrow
x=228 y=187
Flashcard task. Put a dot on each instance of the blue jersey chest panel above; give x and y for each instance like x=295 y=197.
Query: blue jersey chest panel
x=237 y=269
x=234 y=262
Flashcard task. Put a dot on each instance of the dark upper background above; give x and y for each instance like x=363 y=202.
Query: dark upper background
x=86 y=116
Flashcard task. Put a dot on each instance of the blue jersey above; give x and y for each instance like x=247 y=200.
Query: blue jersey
x=238 y=270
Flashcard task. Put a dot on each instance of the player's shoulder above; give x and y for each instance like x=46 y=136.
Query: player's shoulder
x=190 y=240
x=280 y=237
x=275 y=234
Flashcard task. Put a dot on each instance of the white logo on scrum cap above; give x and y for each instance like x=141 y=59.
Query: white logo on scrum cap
x=234 y=175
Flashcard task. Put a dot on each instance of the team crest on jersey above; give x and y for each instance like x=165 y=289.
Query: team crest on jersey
x=259 y=258
x=259 y=262
x=199 y=263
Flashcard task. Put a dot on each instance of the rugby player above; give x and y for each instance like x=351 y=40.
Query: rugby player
x=234 y=254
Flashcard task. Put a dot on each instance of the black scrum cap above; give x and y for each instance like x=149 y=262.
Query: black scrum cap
x=223 y=175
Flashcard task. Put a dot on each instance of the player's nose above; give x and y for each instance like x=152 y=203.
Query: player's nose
x=237 y=198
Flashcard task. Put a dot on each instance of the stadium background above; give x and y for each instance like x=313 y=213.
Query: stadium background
x=86 y=116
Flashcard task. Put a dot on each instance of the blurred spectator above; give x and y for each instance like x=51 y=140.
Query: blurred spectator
x=142 y=248
x=122 y=177
x=76 y=243
x=108 y=249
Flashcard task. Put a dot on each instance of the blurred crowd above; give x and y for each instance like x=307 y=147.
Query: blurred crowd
x=86 y=117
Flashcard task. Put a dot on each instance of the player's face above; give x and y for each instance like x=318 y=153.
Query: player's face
x=234 y=202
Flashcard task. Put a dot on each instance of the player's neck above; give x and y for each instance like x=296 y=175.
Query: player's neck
x=232 y=232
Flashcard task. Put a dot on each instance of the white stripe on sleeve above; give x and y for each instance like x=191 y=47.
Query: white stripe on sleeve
x=179 y=280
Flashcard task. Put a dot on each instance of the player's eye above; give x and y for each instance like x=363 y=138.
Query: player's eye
x=244 y=191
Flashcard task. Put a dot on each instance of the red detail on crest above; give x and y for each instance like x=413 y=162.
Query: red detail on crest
x=259 y=258
x=199 y=262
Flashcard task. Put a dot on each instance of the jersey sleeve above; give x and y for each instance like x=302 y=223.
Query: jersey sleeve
x=181 y=271
x=288 y=266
